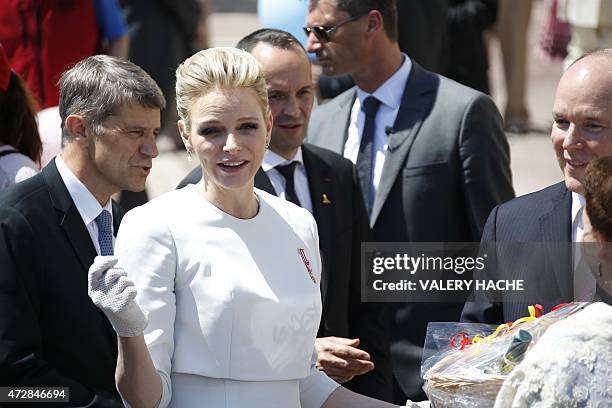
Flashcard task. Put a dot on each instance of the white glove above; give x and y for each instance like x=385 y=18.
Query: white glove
x=110 y=289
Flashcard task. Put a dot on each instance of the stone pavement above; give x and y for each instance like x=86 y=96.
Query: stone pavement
x=533 y=162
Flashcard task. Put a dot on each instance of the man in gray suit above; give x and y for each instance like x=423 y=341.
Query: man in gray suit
x=431 y=154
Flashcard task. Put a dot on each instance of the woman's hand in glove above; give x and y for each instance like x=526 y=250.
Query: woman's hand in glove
x=110 y=289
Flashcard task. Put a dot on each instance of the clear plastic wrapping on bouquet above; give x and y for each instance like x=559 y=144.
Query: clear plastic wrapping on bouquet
x=465 y=364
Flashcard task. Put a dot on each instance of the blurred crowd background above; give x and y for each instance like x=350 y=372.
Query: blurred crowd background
x=511 y=49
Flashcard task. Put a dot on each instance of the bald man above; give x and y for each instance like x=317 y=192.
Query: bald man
x=581 y=132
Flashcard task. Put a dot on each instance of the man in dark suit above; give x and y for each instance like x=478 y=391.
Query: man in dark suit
x=54 y=224
x=352 y=341
x=582 y=131
x=431 y=154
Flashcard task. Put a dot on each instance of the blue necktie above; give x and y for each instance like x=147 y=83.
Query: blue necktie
x=365 y=158
x=105 y=233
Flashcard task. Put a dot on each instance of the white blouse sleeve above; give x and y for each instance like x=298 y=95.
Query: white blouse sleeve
x=315 y=247
x=145 y=248
x=317 y=387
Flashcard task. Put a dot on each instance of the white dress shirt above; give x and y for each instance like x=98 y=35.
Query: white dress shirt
x=578 y=202
x=584 y=282
x=89 y=208
x=300 y=178
x=390 y=95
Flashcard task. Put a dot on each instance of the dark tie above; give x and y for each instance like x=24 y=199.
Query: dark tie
x=105 y=233
x=365 y=158
x=287 y=172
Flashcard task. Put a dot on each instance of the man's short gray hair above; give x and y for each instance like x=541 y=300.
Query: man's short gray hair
x=98 y=86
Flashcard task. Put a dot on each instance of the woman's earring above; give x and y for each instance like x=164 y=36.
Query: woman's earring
x=189 y=158
x=267 y=145
x=599 y=273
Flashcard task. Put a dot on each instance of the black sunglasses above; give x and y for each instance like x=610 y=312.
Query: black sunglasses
x=324 y=33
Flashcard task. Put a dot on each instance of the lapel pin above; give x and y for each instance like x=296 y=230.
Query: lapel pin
x=326 y=199
x=302 y=253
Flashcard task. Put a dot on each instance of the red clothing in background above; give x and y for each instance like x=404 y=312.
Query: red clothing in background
x=45 y=37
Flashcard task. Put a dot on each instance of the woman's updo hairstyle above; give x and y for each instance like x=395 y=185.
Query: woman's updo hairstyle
x=217 y=68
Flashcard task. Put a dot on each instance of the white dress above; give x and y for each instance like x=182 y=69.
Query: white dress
x=233 y=309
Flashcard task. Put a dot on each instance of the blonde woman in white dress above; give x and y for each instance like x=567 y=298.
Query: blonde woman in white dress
x=227 y=274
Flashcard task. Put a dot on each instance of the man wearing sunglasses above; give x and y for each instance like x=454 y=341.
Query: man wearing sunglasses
x=431 y=154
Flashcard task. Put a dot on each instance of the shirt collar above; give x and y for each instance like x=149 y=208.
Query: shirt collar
x=272 y=159
x=391 y=91
x=578 y=202
x=87 y=205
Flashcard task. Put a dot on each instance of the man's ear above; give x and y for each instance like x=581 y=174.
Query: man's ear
x=375 y=21
x=184 y=135
x=76 y=127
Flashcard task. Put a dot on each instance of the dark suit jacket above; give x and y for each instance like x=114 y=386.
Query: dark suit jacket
x=342 y=227
x=421 y=30
x=447 y=166
x=51 y=334
x=542 y=220
x=464 y=53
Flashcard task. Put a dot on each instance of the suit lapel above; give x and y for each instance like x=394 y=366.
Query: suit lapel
x=262 y=182
x=417 y=98
x=319 y=176
x=555 y=226
x=117 y=216
x=70 y=219
x=71 y=222
x=338 y=122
